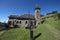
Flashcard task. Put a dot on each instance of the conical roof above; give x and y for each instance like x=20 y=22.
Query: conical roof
x=37 y=7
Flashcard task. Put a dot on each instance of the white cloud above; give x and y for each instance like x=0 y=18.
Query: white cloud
x=4 y=20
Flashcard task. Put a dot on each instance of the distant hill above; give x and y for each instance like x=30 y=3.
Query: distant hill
x=54 y=14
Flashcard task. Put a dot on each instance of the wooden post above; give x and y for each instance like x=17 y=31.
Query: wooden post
x=31 y=30
x=31 y=35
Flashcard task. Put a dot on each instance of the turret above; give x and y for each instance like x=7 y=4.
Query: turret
x=37 y=14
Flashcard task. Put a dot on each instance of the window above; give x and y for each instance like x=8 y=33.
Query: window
x=31 y=23
x=26 y=22
x=37 y=11
x=20 y=22
x=34 y=22
x=13 y=22
x=17 y=21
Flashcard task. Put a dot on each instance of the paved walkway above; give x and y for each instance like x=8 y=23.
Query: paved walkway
x=55 y=32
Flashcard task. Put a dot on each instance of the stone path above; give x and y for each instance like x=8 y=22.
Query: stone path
x=1 y=32
x=55 y=32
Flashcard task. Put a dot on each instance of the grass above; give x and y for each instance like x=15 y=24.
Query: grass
x=15 y=34
x=53 y=22
x=23 y=34
x=46 y=34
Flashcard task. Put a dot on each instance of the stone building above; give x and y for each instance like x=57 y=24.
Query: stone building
x=25 y=19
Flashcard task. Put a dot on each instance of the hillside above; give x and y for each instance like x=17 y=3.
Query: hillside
x=50 y=30
x=53 y=22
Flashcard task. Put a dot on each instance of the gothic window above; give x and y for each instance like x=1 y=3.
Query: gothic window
x=34 y=22
x=17 y=21
x=31 y=23
x=13 y=22
x=37 y=11
x=20 y=22
x=26 y=22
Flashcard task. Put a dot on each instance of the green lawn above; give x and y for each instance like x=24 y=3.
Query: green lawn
x=23 y=34
x=46 y=33
x=53 y=22
x=15 y=34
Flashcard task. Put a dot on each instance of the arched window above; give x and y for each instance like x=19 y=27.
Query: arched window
x=13 y=22
x=37 y=11
x=17 y=21
x=31 y=23
x=26 y=22
x=20 y=22
x=34 y=22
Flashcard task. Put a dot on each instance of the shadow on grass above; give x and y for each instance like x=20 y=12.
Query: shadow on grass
x=37 y=36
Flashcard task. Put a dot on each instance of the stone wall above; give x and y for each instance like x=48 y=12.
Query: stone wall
x=19 y=22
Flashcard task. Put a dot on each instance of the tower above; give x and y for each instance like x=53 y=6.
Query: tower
x=37 y=15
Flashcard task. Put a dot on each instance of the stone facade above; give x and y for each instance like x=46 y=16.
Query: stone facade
x=20 y=22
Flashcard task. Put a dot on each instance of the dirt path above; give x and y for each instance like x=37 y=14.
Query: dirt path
x=55 y=32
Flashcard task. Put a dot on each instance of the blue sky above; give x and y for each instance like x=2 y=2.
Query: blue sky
x=19 y=7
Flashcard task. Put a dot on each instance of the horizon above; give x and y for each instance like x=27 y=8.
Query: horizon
x=20 y=7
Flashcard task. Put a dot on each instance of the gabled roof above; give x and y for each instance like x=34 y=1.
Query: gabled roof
x=13 y=16
x=22 y=17
x=27 y=16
